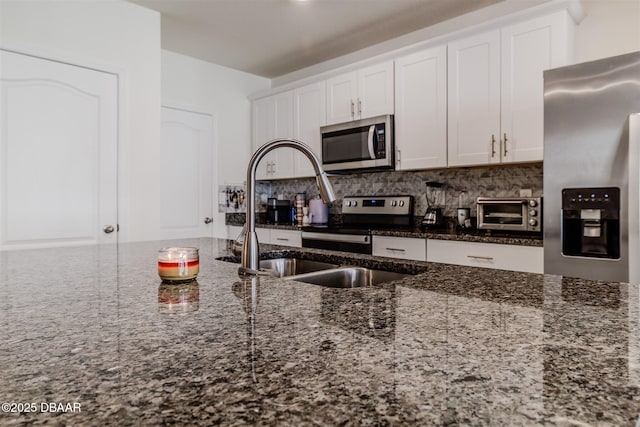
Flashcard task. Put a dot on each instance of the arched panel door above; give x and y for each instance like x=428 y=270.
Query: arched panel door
x=58 y=153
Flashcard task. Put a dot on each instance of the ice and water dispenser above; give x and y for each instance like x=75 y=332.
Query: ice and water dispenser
x=591 y=222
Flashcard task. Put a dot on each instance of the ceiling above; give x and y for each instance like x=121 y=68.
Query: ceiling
x=271 y=38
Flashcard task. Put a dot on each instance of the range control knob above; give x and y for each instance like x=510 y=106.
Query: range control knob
x=354 y=203
x=533 y=203
x=533 y=212
x=394 y=203
x=533 y=222
x=401 y=203
x=347 y=203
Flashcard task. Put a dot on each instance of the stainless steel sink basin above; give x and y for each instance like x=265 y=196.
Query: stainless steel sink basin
x=347 y=277
x=294 y=266
x=323 y=273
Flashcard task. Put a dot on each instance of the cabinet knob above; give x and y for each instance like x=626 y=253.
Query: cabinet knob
x=108 y=229
x=208 y=220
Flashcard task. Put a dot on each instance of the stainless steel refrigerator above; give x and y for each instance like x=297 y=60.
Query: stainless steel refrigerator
x=591 y=169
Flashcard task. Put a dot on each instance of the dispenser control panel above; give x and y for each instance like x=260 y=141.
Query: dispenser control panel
x=605 y=199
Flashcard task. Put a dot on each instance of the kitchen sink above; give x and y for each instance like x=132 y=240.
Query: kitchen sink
x=348 y=277
x=323 y=273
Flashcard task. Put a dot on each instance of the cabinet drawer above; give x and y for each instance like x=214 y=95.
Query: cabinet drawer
x=489 y=255
x=286 y=238
x=400 y=247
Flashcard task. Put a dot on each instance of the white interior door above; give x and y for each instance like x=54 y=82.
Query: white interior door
x=58 y=153
x=186 y=174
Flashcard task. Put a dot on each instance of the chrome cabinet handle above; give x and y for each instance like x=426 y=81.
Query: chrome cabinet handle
x=505 y=145
x=486 y=258
x=398 y=157
x=493 y=146
x=208 y=220
x=396 y=249
x=353 y=109
x=359 y=107
x=108 y=229
x=282 y=238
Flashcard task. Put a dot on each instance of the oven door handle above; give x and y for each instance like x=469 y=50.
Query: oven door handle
x=345 y=238
x=372 y=132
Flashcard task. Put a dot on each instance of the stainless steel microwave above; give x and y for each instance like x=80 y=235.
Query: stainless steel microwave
x=510 y=213
x=360 y=144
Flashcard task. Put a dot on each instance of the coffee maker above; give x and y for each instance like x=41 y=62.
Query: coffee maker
x=279 y=211
x=591 y=222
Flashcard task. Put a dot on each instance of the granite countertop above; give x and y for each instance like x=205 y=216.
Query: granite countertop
x=472 y=235
x=89 y=328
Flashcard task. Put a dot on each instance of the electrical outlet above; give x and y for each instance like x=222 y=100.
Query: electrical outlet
x=525 y=192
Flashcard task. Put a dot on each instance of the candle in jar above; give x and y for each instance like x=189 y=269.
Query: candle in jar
x=176 y=264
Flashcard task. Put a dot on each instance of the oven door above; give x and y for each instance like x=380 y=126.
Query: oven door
x=354 y=243
x=362 y=144
x=503 y=214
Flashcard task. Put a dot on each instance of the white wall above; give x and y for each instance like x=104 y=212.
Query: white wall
x=223 y=92
x=111 y=35
x=610 y=27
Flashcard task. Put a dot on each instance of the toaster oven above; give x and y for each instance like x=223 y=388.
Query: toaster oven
x=509 y=213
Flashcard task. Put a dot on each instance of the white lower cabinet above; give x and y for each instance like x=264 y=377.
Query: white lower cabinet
x=270 y=236
x=286 y=237
x=489 y=255
x=400 y=247
x=233 y=231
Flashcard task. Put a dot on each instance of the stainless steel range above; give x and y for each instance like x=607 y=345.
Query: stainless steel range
x=360 y=215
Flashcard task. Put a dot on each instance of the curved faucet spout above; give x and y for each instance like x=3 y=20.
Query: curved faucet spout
x=250 y=249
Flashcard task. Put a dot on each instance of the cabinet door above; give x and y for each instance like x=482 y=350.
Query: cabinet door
x=375 y=91
x=341 y=98
x=262 y=132
x=263 y=234
x=400 y=247
x=487 y=255
x=421 y=110
x=309 y=114
x=283 y=157
x=528 y=49
x=474 y=100
x=273 y=118
x=286 y=237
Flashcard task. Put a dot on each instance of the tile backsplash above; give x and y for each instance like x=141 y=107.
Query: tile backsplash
x=495 y=181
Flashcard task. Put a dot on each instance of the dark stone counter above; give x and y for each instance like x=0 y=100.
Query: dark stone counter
x=451 y=345
x=473 y=235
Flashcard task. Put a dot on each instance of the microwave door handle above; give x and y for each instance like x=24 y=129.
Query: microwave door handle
x=372 y=131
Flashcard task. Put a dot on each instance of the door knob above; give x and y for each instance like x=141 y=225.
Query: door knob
x=108 y=229
x=208 y=220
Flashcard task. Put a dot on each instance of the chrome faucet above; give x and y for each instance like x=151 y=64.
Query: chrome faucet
x=250 y=250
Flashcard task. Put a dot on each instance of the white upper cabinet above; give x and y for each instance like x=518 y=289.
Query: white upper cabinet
x=528 y=49
x=367 y=92
x=495 y=86
x=309 y=115
x=474 y=100
x=421 y=110
x=273 y=118
x=296 y=113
